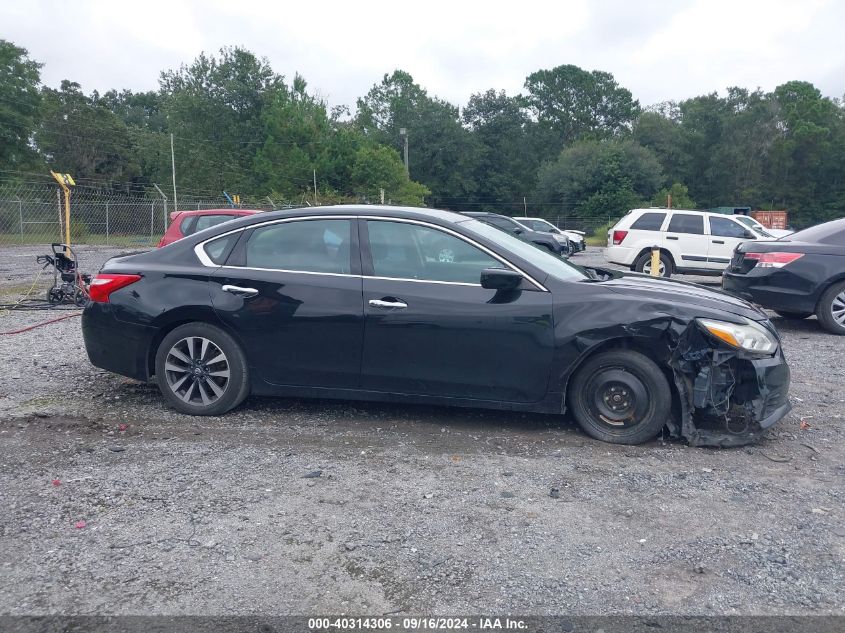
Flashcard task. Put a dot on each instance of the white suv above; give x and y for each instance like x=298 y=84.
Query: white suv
x=695 y=242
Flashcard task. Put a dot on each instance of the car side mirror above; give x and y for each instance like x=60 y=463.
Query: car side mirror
x=500 y=279
x=517 y=231
x=749 y=235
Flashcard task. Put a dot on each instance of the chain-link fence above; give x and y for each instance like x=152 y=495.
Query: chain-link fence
x=33 y=213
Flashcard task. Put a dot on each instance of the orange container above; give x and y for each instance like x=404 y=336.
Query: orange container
x=771 y=219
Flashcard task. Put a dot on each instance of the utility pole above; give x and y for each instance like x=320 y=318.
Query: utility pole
x=404 y=132
x=524 y=207
x=669 y=201
x=163 y=197
x=381 y=196
x=173 y=167
x=315 y=187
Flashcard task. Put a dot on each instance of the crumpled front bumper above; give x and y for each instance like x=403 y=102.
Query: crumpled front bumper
x=727 y=397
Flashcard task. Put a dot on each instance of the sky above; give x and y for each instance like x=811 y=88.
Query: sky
x=659 y=50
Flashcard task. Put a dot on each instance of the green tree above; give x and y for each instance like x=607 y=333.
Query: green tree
x=76 y=135
x=680 y=197
x=505 y=164
x=572 y=104
x=441 y=151
x=215 y=107
x=380 y=167
x=601 y=178
x=19 y=103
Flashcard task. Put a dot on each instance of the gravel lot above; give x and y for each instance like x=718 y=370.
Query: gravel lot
x=113 y=504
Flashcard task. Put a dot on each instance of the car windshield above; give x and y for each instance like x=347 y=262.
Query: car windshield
x=542 y=225
x=542 y=259
x=753 y=224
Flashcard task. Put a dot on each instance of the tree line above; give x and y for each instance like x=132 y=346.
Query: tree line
x=574 y=142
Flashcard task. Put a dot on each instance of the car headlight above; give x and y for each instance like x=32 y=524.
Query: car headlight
x=751 y=336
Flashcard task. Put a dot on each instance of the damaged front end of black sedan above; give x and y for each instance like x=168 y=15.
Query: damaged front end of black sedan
x=727 y=397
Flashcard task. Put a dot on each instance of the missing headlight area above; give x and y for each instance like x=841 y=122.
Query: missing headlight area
x=725 y=395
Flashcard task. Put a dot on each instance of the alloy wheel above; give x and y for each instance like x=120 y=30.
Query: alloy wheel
x=197 y=370
x=837 y=308
x=661 y=268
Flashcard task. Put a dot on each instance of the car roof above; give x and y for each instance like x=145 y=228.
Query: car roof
x=223 y=211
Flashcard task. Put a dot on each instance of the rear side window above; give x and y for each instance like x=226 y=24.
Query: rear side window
x=686 y=223
x=649 y=222
x=218 y=250
x=207 y=221
x=194 y=223
x=320 y=246
x=723 y=227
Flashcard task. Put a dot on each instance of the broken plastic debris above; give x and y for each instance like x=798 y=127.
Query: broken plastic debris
x=123 y=427
x=57 y=482
x=80 y=524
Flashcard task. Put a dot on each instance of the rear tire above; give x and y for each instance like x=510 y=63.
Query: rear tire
x=793 y=315
x=643 y=264
x=831 y=309
x=201 y=370
x=621 y=397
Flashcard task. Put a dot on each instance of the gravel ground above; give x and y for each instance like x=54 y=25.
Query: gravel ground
x=114 y=504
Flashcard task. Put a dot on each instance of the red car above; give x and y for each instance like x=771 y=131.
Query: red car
x=185 y=223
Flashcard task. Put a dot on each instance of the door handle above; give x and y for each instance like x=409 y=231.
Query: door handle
x=718 y=241
x=241 y=292
x=388 y=305
x=671 y=237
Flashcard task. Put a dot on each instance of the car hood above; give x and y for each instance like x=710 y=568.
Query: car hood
x=680 y=293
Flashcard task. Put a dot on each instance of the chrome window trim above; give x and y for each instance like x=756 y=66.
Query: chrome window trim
x=205 y=260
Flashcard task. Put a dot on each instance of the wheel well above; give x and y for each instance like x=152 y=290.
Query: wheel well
x=641 y=346
x=662 y=251
x=827 y=285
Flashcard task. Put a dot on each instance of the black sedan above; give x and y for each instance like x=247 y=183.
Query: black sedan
x=796 y=276
x=361 y=302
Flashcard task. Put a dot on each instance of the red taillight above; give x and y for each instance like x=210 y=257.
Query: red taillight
x=104 y=284
x=773 y=260
x=618 y=236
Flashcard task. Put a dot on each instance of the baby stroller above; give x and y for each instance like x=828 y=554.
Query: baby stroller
x=69 y=285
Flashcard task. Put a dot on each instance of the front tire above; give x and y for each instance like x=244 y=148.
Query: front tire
x=831 y=309
x=201 y=370
x=643 y=264
x=621 y=397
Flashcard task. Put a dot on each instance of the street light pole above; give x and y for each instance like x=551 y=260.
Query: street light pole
x=404 y=132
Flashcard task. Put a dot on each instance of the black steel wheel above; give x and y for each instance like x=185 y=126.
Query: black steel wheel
x=620 y=396
x=55 y=295
x=201 y=370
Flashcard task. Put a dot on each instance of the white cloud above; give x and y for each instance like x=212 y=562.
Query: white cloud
x=659 y=50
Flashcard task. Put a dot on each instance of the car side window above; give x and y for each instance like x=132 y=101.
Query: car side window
x=187 y=225
x=401 y=250
x=649 y=222
x=320 y=246
x=686 y=223
x=724 y=227
x=501 y=223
